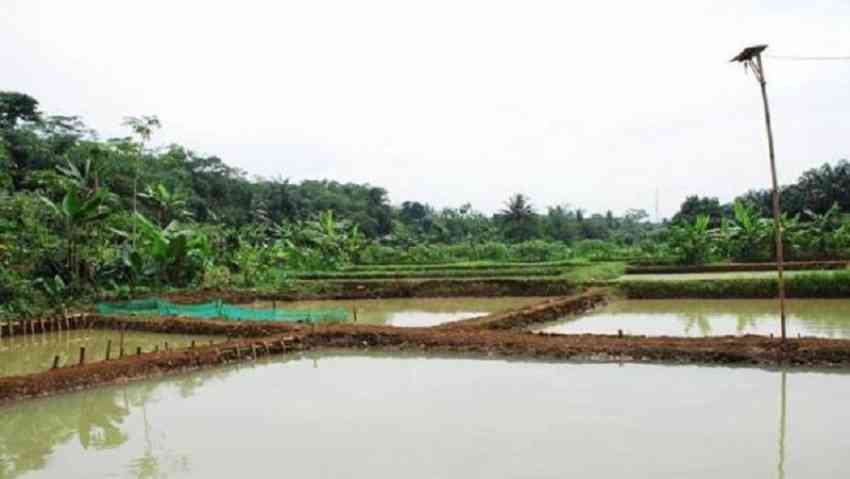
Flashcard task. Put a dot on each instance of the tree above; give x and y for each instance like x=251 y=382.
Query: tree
x=695 y=206
x=143 y=127
x=691 y=240
x=15 y=107
x=169 y=205
x=78 y=211
x=518 y=218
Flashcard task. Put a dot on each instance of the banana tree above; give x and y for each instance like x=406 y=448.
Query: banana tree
x=692 y=241
x=169 y=205
x=750 y=232
x=823 y=231
x=171 y=255
x=77 y=212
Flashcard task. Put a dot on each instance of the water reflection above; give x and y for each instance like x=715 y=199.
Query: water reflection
x=806 y=317
x=96 y=420
x=782 y=424
x=382 y=416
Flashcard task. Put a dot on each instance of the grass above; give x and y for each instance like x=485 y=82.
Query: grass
x=573 y=272
x=833 y=284
x=450 y=273
x=467 y=265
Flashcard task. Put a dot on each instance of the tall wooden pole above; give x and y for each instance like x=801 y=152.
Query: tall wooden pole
x=775 y=196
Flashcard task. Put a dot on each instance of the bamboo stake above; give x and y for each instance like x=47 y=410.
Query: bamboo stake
x=775 y=197
x=751 y=59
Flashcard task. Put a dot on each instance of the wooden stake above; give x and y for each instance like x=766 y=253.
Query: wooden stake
x=774 y=196
x=82 y=355
x=138 y=350
x=121 y=347
x=55 y=361
x=108 y=348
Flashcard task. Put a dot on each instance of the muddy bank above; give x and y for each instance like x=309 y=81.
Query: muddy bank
x=135 y=367
x=520 y=345
x=377 y=289
x=199 y=327
x=743 y=350
x=549 y=310
x=736 y=267
x=167 y=325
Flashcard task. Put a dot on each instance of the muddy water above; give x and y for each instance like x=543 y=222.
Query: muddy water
x=390 y=417
x=684 y=317
x=413 y=311
x=31 y=354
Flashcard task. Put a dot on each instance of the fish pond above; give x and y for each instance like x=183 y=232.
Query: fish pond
x=828 y=318
x=26 y=354
x=379 y=416
x=411 y=312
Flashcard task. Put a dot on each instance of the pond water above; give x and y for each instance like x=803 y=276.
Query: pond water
x=31 y=354
x=715 y=317
x=412 y=312
x=389 y=417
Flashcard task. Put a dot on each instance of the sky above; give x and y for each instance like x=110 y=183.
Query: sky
x=596 y=104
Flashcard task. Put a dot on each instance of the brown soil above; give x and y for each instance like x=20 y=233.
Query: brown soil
x=548 y=310
x=382 y=289
x=493 y=335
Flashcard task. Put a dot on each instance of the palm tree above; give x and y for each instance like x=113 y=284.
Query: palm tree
x=143 y=127
x=518 y=217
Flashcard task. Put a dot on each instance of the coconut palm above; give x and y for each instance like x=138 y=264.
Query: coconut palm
x=518 y=218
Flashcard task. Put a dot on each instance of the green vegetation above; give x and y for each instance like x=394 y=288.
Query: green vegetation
x=84 y=218
x=831 y=284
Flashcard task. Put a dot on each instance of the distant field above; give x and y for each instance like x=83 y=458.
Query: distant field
x=732 y=275
x=468 y=265
x=572 y=271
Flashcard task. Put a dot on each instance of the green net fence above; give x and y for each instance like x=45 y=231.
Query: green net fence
x=218 y=309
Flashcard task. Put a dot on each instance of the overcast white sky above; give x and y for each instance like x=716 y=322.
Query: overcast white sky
x=591 y=103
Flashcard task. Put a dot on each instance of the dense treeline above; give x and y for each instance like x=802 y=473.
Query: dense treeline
x=816 y=192
x=80 y=215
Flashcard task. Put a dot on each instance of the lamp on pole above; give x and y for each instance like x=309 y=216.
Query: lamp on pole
x=750 y=57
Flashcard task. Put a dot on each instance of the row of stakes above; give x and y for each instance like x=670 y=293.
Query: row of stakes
x=121 y=354
x=107 y=355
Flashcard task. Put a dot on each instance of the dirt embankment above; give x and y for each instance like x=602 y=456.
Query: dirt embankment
x=142 y=366
x=746 y=350
x=177 y=325
x=382 y=289
x=492 y=335
x=548 y=310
